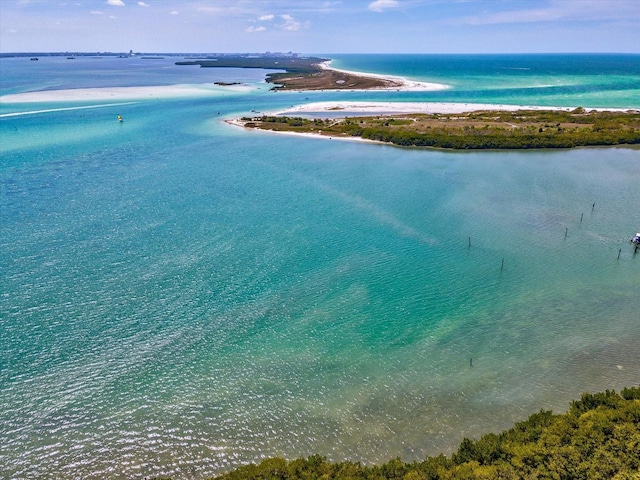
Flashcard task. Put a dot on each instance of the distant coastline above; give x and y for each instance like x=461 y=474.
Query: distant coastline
x=313 y=73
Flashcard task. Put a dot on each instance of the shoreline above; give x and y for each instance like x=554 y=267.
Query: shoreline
x=355 y=108
x=236 y=122
x=398 y=84
x=390 y=144
x=496 y=133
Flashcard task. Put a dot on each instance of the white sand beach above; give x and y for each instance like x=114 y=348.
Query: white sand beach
x=121 y=93
x=239 y=123
x=388 y=108
x=406 y=85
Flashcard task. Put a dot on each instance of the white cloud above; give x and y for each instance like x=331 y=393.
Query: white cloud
x=266 y=18
x=521 y=16
x=174 y=12
x=382 y=5
x=253 y=29
x=115 y=3
x=290 y=23
x=563 y=10
x=142 y=4
x=235 y=9
x=96 y=12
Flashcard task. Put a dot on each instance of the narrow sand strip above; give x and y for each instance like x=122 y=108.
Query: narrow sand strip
x=406 y=85
x=382 y=108
x=121 y=93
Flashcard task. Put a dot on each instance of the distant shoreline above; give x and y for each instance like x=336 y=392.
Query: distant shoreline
x=327 y=78
x=396 y=83
x=313 y=73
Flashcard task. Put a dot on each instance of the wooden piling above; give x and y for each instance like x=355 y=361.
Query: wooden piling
x=619 y=252
x=502 y=266
x=581 y=217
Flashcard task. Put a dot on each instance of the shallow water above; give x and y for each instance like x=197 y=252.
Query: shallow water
x=569 y=80
x=180 y=296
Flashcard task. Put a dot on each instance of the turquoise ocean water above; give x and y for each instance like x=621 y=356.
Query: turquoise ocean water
x=180 y=296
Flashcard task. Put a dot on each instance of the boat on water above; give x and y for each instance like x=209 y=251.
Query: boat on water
x=636 y=239
x=34 y=59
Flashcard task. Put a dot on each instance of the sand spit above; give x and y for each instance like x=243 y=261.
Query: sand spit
x=401 y=84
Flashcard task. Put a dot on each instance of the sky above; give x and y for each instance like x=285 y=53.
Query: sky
x=318 y=26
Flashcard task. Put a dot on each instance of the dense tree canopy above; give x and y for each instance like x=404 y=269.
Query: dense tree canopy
x=522 y=129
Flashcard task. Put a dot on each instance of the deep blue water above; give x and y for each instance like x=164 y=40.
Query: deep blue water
x=180 y=296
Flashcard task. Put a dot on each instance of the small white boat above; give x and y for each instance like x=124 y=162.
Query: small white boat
x=636 y=239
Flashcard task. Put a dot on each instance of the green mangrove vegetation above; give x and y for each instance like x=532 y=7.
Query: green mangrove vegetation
x=522 y=129
x=597 y=438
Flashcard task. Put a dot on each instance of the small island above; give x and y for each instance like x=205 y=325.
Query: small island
x=484 y=129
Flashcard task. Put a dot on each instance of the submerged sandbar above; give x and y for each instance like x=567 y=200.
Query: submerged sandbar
x=119 y=93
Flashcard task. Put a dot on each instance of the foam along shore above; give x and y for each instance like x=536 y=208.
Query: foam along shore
x=319 y=109
x=396 y=83
x=121 y=93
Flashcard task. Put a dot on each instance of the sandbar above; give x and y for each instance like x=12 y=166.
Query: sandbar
x=121 y=93
x=389 y=108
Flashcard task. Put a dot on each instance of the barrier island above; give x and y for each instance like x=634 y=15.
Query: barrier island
x=485 y=129
x=300 y=73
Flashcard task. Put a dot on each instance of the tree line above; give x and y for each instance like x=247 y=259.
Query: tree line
x=475 y=130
